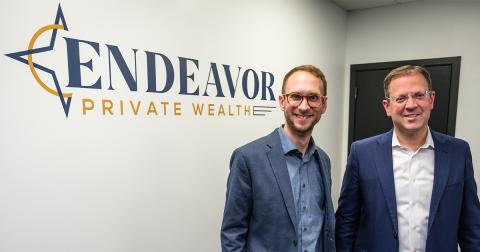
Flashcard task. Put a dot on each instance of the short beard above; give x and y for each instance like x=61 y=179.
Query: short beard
x=297 y=131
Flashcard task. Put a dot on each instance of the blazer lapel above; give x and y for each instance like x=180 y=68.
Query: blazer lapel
x=384 y=165
x=324 y=173
x=279 y=166
x=440 y=175
x=329 y=212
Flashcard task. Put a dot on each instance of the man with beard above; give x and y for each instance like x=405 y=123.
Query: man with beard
x=278 y=191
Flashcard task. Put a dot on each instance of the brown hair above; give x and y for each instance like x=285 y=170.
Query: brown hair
x=403 y=71
x=307 y=68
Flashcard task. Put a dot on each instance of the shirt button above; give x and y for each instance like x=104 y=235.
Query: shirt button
x=304 y=229
x=303 y=185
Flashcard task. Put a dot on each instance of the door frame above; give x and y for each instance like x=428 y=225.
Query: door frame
x=452 y=111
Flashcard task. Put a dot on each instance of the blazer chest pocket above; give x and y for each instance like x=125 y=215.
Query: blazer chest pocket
x=454 y=185
x=453 y=193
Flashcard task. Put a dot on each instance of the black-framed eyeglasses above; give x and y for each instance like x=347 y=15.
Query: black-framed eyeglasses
x=419 y=96
x=313 y=100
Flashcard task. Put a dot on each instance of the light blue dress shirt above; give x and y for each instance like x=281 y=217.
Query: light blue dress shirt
x=308 y=193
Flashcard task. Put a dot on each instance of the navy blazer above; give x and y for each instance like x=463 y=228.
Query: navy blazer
x=259 y=211
x=366 y=219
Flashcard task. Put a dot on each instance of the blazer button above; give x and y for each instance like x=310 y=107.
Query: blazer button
x=294 y=243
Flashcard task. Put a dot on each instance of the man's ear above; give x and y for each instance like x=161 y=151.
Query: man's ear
x=432 y=97
x=281 y=102
x=324 y=108
x=386 y=106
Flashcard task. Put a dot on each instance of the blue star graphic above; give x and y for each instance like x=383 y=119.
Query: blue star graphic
x=19 y=56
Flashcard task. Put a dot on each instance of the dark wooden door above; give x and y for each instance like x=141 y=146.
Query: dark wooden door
x=367 y=116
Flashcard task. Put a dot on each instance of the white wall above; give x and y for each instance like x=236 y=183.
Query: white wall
x=145 y=183
x=423 y=30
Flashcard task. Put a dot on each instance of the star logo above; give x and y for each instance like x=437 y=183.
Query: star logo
x=26 y=57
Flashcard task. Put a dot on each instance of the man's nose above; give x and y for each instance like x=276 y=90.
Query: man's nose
x=411 y=103
x=304 y=104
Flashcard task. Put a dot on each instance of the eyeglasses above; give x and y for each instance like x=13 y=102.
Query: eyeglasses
x=419 y=96
x=313 y=100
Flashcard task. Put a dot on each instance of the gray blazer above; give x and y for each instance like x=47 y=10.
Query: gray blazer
x=259 y=211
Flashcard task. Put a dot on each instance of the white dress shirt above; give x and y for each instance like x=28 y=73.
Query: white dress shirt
x=413 y=174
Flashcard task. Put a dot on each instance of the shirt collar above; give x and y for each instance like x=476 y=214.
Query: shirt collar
x=288 y=145
x=428 y=142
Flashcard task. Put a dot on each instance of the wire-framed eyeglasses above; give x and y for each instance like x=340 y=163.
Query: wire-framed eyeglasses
x=313 y=100
x=418 y=96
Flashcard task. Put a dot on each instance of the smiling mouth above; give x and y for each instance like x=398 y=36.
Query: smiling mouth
x=302 y=116
x=411 y=115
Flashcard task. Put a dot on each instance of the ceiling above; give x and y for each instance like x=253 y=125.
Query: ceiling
x=350 y=5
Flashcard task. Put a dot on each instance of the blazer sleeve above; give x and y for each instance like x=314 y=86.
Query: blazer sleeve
x=469 y=230
x=238 y=205
x=349 y=204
